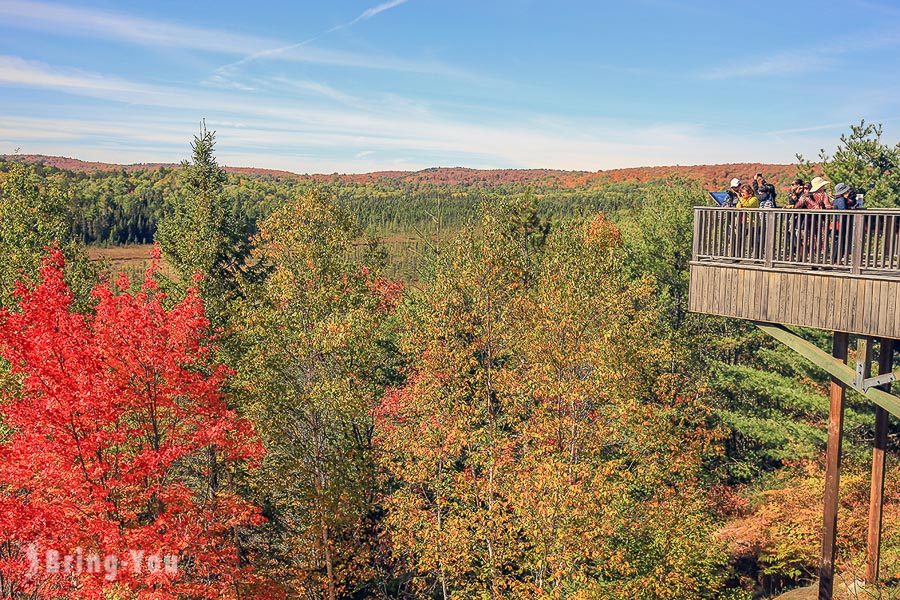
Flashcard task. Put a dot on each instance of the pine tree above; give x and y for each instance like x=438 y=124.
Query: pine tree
x=200 y=236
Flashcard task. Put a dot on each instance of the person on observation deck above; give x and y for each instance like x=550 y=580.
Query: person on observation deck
x=843 y=197
x=817 y=198
x=795 y=193
x=746 y=197
x=765 y=191
x=732 y=191
x=819 y=192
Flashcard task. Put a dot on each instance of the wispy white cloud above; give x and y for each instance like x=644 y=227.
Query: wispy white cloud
x=376 y=10
x=813 y=59
x=71 y=20
x=17 y=71
x=809 y=128
x=301 y=48
x=61 y=19
x=781 y=64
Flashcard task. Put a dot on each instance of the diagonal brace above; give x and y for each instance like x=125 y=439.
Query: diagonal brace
x=837 y=369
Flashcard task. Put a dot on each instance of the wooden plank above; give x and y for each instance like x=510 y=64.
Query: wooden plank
x=895 y=294
x=793 y=299
x=727 y=285
x=875 y=312
x=765 y=286
x=699 y=219
x=832 y=472
x=708 y=301
x=841 y=314
x=775 y=289
x=695 y=300
x=856 y=303
x=866 y=306
x=717 y=293
x=695 y=296
x=757 y=287
x=805 y=301
x=857 y=244
x=876 y=492
x=818 y=313
x=830 y=290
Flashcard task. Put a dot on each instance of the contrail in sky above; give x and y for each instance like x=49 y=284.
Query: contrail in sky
x=364 y=16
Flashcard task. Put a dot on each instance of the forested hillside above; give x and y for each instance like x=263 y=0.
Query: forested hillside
x=515 y=404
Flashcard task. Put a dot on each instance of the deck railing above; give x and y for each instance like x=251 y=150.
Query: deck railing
x=855 y=242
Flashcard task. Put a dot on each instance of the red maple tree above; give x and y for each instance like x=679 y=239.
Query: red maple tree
x=114 y=476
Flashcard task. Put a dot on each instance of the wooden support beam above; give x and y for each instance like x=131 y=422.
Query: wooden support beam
x=876 y=495
x=832 y=471
x=836 y=368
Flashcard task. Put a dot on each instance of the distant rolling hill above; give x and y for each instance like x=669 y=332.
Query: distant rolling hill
x=711 y=176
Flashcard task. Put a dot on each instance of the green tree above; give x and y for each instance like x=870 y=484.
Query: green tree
x=34 y=215
x=201 y=236
x=659 y=243
x=317 y=356
x=541 y=447
x=866 y=164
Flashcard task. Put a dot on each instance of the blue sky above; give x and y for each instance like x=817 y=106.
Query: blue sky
x=355 y=86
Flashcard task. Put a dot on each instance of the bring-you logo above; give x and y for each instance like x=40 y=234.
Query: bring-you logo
x=135 y=562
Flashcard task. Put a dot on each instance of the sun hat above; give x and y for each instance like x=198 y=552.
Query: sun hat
x=735 y=182
x=841 y=189
x=818 y=183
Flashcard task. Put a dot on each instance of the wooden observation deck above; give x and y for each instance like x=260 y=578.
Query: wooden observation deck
x=833 y=270
x=828 y=269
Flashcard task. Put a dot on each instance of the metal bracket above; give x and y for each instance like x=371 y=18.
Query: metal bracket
x=863 y=383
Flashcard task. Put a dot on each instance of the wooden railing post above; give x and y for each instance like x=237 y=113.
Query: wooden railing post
x=770 y=223
x=857 y=248
x=698 y=214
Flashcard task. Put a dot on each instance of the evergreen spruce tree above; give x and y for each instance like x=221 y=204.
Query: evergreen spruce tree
x=199 y=235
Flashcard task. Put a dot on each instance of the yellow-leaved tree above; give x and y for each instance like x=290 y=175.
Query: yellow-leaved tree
x=316 y=357
x=541 y=446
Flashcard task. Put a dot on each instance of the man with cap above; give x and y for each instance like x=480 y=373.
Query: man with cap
x=733 y=195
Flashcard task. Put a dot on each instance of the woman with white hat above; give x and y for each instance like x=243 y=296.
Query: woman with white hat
x=819 y=193
x=817 y=198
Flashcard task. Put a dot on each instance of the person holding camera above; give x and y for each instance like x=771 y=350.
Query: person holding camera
x=815 y=195
x=765 y=191
x=795 y=193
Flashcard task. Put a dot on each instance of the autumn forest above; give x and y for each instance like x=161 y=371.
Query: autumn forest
x=450 y=384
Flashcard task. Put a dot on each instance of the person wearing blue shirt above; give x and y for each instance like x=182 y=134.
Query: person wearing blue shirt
x=842 y=200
